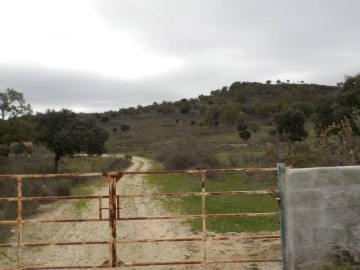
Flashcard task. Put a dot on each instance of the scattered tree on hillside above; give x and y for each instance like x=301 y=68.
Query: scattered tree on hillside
x=65 y=134
x=245 y=134
x=290 y=127
x=254 y=128
x=15 y=122
x=241 y=126
x=230 y=113
x=12 y=104
x=124 y=128
x=185 y=108
x=213 y=114
x=336 y=108
x=105 y=119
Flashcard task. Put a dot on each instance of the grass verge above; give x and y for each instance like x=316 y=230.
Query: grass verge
x=170 y=183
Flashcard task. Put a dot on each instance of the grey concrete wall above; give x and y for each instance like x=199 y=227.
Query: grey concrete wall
x=321 y=215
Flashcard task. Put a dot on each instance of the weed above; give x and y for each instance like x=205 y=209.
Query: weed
x=80 y=206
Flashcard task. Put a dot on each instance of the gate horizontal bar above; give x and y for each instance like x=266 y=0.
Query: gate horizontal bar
x=159 y=263
x=185 y=239
x=200 y=262
x=52 y=198
x=26 y=221
x=201 y=216
x=249 y=192
x=9 y=222
x=245 y=192
x=117 y=174
x=67 y=267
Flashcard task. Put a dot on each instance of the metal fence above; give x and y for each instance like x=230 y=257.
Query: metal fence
x=114 y=215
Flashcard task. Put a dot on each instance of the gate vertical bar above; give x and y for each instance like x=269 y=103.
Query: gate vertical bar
x=117 y=207
x=281 y=183
x=100 y=207
x=203 y=212
x=112 y=220
x=19 y=214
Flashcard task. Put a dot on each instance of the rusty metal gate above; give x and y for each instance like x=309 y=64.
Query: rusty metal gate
x=114 y=215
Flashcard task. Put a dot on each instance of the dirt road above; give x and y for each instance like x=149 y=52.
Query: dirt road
x=145 y=252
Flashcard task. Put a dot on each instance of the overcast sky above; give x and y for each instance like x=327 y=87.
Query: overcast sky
x=98 y=55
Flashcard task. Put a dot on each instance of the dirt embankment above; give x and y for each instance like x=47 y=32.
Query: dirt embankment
x=126 y=230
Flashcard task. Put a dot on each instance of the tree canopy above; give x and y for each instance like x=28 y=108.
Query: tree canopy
x=290 y=126
x=340 y=106
x=12 y=104
x=15 y=123
x=64 y=133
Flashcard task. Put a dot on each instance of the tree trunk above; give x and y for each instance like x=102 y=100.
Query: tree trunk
x=289 y=148
x=56 y=163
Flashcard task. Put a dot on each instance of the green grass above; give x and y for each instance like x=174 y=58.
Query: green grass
x=80 y=206
x=171 y=183
x=342 y=266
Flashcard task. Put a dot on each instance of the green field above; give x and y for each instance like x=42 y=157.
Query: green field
x=171 y=183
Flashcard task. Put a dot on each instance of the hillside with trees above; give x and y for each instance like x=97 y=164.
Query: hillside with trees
x=245 y=124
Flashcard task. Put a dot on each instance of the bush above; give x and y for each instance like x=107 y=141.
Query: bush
x=63 y=188
x=186 y=154
x=245 y=134
x=124 y=128
x=105 y=119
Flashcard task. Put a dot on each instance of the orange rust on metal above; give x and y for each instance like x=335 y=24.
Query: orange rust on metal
x=51 y=198
x=19 y=227
x=186 y=239
x=100 y=207
x=250 y=192
x=68 y=267
x=203 y=213
x=162 y=263
x=114 y=213
x=117 y=207
x=27 y=221
x=40 y=176
x=65 y=243
x=120 y=174
x=8 y=222
x=112 y=220
x=8 y=245
x=254 y=237
x=201 y=216
x=200 y=262
x=245 y=261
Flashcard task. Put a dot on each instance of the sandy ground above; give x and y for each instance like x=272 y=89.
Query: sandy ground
x=126 y=230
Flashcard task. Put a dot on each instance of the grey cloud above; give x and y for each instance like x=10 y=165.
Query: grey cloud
x=219 y=41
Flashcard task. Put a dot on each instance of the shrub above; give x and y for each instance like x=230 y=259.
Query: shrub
x=245 y=134
x=105 y=119
x=63 y=188
x=124 y=128
x=185 y=154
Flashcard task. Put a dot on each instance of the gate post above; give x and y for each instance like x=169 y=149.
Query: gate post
x=112 y=217
x=281 y=183
x=19 y=219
